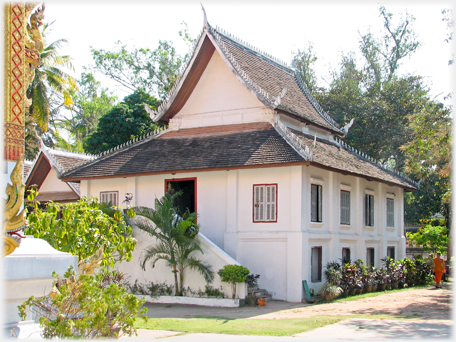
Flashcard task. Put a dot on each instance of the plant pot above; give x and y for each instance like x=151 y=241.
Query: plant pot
x=359 y=291
x=394 y=285
x=261 y=301
x=368 y=289
x=383 y=287
x=329 y=297
x=352 y=292
x=346 y=293
x=400 y=285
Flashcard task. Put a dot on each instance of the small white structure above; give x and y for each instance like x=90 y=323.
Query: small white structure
x=262 y=164
x=28 y=272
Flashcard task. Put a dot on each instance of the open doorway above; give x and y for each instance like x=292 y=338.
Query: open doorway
x=188 y=198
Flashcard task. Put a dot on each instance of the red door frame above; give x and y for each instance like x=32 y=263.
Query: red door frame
x=180 y=180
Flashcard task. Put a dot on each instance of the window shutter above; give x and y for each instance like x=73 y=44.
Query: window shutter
x=259 y=203
x=271 y=203
x=371 y=207
x=320 y=203
x=345 y=207
x=390 y=212
x=109 y=196
x=366 y=209
x=314 y=200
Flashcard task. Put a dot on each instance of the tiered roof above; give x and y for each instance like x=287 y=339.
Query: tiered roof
x=240 y=145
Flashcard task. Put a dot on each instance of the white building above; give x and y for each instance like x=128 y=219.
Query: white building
x=44 y=173
x=260 y=161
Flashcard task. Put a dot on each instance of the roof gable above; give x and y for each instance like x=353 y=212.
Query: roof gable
x=218 y=91
x=275 y=85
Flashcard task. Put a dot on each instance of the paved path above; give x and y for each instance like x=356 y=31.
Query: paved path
x=352 y=329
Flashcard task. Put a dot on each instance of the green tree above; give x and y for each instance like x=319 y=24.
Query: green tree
x=101 y=303
x=233 y=274
x=152 y=71
x=433 y=236
x=176 y=243
x=91 y=101
x=429 y=154
x=81 y=228
x=303 y=62
x=49 y=91
x=124 y=122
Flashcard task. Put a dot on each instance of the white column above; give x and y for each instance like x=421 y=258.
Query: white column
x=131 y=188
x=232 y=213
x=294 y=236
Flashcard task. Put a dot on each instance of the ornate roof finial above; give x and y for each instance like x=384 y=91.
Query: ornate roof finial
x=205 y=17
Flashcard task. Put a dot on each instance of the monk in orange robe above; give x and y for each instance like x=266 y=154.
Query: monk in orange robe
x=439 y=269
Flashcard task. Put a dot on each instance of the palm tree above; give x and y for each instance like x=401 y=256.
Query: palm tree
x=176 y=241
x=50 y=89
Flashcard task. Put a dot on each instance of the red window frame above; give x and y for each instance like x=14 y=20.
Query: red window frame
x=276 y=202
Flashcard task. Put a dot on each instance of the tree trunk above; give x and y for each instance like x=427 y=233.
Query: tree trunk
x=181 y=278
x=176 y=282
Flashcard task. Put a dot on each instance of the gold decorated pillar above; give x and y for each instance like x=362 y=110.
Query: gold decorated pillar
x=15 y=81
x=23 y=43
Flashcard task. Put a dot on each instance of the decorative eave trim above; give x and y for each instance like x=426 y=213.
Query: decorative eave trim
x=174 y=91
x=376 y=163
x=293 y=140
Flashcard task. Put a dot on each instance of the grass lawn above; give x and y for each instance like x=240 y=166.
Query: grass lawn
x=263 y=327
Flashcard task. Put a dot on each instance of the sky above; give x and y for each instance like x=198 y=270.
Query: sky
x=279 y=29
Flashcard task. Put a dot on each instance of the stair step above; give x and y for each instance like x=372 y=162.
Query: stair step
x=259 y=292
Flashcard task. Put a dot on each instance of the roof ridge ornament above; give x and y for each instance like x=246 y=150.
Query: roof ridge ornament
x=206 y=25
x=347 y=126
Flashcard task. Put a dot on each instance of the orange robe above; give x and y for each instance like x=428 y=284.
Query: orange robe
x=439 y=268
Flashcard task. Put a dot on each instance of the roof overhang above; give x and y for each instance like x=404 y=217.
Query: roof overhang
x=189 y=170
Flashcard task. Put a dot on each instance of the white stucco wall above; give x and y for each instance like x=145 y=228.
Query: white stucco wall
x=219 y=99
x=278 y=251
x=52 y=183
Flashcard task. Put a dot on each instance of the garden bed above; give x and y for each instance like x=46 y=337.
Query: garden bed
x=199 y=301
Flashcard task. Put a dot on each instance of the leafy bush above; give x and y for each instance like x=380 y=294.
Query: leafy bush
x=81 y=228
x=151 y=289
x=94 y=306
x=213 y=292
x=233 y=274
x=252 y=280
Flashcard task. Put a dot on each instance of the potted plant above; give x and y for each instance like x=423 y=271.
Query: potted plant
x=381 y=278
x=410 y=272
x=331 y=291
x=233 y=274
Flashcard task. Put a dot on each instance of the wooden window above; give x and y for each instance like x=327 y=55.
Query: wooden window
x=344 y=207
x=109 y=197
x=265 y=203
x=390 y=212
x=315 y=264
x=369 y=210
x=370 y=256
x=345 y=255
x=391 y=252
x=316 y=203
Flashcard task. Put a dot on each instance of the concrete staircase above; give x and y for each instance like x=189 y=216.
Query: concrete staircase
x=255 y=293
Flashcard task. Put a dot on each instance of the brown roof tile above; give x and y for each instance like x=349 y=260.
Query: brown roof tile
x=195 y=149
x=273 y=78
x=335 y=157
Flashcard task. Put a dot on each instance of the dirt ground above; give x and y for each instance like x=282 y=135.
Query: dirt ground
x=425 y=303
